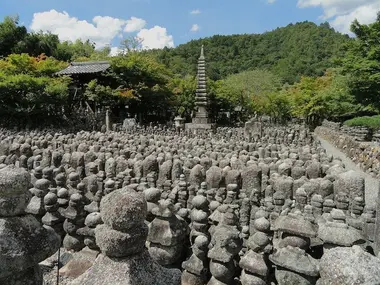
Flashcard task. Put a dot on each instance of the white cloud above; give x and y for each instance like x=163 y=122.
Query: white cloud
x=115 y=51
x=156 y=37
x=195 y=12
x=341 y=13
x=194 y=28
x=134 y=25
x=101 y=31
x=271 y=1
x=364 y=14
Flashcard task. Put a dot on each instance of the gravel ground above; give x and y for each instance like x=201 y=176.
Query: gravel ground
x=371 y=184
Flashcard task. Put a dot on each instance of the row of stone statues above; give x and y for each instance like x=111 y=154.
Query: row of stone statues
x=222 y=208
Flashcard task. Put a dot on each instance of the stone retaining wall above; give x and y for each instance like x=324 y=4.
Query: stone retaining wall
x=360 y=134
x=365 y=154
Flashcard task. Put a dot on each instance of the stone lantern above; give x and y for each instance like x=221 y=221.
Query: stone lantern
x=179 y=123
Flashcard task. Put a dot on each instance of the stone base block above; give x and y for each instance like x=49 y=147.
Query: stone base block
x=201 y=120
x=139 y=269
x=199 y=127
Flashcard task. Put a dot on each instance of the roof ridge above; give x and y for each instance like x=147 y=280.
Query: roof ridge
x=85 y=67
x=89 y=62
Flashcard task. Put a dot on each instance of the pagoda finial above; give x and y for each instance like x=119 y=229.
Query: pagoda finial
x=202 y=52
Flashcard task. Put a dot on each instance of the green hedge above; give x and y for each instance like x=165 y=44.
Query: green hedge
x=366 y=121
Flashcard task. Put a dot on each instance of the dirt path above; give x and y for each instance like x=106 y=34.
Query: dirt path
x=371 y=184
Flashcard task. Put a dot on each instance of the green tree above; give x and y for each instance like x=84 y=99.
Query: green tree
x=144 y=77
x=248 y=91
x=362 y=62
x=35 y=44
x=315 y=99
x=10 y=35
x=130 y=44
x=27 y=92
x=105 y=95
x=71 y=51
x=183 y=90
x=289 y=52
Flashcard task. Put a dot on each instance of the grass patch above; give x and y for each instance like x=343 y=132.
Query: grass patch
x=366 y=121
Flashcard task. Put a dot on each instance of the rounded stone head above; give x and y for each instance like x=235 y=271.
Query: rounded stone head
x=14 y=194
x=60 y=179
x=200 y=202
x=50 y=199
x=92 y=167
x=123 y=209
x=73 y=179
x=38 y=172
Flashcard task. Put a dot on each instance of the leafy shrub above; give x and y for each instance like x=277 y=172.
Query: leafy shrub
x=366 y=121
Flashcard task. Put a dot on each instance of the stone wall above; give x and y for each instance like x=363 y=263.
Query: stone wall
x=364 y=154
x=331 y=125
x=360 y=134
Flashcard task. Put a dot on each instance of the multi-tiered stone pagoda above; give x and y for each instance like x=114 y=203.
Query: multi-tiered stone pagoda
x=201 y=120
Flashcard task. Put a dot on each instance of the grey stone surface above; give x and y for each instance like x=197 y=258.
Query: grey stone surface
x=24 y=242
x=13 y=197
x=136 y=270
x=349 y=266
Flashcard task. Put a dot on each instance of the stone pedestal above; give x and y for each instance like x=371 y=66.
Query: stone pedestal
x=199 y=127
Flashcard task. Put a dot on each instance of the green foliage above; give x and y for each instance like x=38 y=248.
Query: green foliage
x=25 y=64
x=130 y=44
x=10 y=35
x=144 y=77
x=36 y=44
x=134 y=68
x=321 y=97
x=68 y=51
x=24 y=93
x=366 y=121
x=248 y=91
x=183 y=90
x=105 y=95
x=27 y=91
x=47 y=66
x=362 y=62
x=289 y=52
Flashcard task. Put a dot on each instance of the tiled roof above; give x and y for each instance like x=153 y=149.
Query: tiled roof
x=85 y=67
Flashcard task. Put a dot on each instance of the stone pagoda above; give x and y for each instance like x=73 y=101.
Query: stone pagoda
x=201 y=120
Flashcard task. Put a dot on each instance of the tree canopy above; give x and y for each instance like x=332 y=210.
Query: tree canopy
x=27 y=89
x=362 y=61
x=301 y=49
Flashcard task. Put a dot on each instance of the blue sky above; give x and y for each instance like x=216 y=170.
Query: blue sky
x=162 y=23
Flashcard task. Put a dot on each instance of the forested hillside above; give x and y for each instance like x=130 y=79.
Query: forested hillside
x=289 y=52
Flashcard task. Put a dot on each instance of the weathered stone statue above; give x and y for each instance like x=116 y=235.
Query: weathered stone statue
x=225 y=247
x=75 y=217
x=293 y=264
x=166 y=235
x=121 y=239
x=196 y=267
x=255 y=263
x=24 y=242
